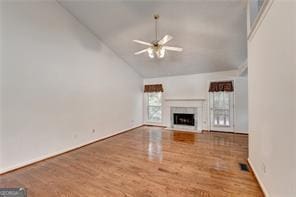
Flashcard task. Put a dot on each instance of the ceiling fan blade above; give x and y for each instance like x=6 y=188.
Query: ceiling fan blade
x=173 y=48
x=165 y=39
x=142 y=51
x=142 y=42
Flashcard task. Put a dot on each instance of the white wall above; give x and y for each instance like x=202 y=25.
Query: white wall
x=197 y=86
x=294 y=98
x=271 y=100
x=1 y=62
x=241 y=105
x=58 y=83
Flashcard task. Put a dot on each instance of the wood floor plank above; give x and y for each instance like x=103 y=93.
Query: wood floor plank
x=147 y=161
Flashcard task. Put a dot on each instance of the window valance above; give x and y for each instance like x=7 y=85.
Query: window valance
x=221 y=86
x=153 y=88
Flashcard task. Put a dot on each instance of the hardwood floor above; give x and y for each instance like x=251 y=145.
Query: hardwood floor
x=147 y=161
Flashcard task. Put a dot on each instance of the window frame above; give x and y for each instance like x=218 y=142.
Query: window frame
x=228 y=109
x=147 y=95
x=211 y=126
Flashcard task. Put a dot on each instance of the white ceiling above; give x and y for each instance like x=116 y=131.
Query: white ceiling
x=212 y=33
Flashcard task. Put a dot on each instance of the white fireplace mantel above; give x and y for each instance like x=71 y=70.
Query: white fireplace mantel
x=198 y=103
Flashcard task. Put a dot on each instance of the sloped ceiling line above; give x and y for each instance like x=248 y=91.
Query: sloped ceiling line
x=97 y=37
x=212 y=33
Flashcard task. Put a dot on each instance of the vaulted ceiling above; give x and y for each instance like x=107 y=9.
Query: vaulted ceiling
x=212 y=32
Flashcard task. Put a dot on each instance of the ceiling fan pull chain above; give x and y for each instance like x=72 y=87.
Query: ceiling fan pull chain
x=156 y=30
x=156 y=16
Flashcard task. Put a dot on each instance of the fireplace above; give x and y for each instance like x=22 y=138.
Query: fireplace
x=184 y=119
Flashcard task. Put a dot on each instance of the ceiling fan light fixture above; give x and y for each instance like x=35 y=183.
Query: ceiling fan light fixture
x=151 y=53
x=161 y=53
x=157 y=47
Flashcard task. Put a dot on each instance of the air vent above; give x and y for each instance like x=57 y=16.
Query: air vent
x=244 y=167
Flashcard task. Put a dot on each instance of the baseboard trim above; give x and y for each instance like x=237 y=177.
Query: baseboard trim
x=52 y=155
x=257 y=178
x=183 y=130
x=230 y=132
x=153 y=125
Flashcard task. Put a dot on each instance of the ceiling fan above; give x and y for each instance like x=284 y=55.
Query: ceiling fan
x=157 y=47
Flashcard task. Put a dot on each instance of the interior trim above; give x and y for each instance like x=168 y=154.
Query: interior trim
x=153 y=125
x=230 y=132
x=259 y=18
x=49 y=156
x=185 y=99
x=264 y=190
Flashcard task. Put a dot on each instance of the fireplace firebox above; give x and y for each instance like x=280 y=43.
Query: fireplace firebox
x=184 y=119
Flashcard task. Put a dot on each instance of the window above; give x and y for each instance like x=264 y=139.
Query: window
x=154 y=106
x=221 y=109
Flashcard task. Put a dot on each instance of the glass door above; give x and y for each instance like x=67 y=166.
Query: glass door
x=154 y=106
x=221 y=111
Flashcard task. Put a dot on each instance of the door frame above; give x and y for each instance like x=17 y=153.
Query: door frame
x=210 y=110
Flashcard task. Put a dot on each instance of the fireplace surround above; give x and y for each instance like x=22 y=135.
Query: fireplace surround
x=184 y=118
